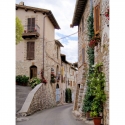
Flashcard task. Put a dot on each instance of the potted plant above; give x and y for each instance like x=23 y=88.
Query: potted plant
x=53 y=78
x=24 y=80
x=97 y=81
x=34 y=81
x=94 y=41
x=18 y=79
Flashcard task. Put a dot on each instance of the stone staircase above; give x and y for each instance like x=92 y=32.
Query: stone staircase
x=21 y=95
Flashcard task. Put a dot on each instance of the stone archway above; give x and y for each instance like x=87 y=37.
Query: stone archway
x=33 y=71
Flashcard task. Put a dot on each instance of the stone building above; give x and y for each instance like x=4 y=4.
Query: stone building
x=68 y=76
x=31 y=55
x=101 y=51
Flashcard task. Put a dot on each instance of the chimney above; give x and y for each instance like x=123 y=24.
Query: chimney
x=21 y=3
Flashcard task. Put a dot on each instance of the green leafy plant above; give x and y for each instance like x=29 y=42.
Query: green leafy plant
x=68 y=95
x=19 y=30
x=53 y=78
x=97 y=81
x=34 y=81
x=87 y=102
x=22 y=79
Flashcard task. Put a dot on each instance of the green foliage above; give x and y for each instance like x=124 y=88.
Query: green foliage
x=18 y=78
x=53 y=78
x=97 y=81
x=90 y=26
x=68 y=95
x=22 y=79
x=34 y=81
x=19 y=30
x=87 y=102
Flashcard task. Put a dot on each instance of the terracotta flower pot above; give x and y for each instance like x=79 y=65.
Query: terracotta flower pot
x=97 y=120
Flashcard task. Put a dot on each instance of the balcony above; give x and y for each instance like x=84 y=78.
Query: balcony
x=31 y=32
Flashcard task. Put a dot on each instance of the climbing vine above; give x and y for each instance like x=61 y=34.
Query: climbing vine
x=87 y=102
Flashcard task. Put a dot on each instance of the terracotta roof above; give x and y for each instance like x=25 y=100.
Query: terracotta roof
x=44 y=11
x=58 y=43
x=79 y=9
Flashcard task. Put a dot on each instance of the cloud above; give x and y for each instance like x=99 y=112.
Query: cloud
x=70 y=49
x=63 y=12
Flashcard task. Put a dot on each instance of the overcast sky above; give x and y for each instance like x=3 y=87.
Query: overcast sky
x=63 y=12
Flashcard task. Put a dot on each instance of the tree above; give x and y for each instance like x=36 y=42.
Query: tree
x=68 y=95
x=19 y=30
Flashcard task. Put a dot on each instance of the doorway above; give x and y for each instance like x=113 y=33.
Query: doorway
x=33 y=71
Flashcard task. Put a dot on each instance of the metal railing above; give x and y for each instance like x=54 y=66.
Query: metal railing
x=30 y=28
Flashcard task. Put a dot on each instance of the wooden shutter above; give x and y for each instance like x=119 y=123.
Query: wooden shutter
x=31 y=24
x=30 y=50
x=96 y=19
x=83 y=55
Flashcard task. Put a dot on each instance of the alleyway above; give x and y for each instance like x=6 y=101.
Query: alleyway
x=61 y=115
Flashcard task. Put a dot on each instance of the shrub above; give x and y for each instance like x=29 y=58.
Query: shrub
x=34 y=81
x=68 y=95
x=22 y=79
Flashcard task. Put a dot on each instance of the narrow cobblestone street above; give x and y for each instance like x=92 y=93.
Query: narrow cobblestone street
x=61 y=115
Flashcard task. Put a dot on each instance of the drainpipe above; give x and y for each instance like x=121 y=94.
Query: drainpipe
x=43 y=38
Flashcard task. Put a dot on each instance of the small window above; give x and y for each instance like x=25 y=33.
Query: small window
x=96 y=19
x=30 y=50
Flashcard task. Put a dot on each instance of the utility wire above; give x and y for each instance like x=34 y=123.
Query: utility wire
x=68 y=35
x=61 y=38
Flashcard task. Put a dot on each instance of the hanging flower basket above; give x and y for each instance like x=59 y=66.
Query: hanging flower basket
x=53 y=77
x=94 y=41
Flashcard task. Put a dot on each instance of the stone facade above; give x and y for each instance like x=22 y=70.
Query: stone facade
x=68 y=78
x=101 y=54
x=23 y=65
x=38 y=99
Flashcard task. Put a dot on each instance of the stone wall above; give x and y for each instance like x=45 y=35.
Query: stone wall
x=102 y=53
x=38 y=99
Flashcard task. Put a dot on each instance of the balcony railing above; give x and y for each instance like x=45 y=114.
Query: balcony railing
x=31 y=31
x=30 y=28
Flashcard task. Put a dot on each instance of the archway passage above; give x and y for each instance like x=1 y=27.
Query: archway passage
x=33 y=71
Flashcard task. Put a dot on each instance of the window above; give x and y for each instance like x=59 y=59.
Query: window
x=31 y=24
x=30 y=50
x=96 y=19
x=71 y=83
x=83 y=55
